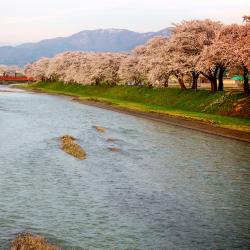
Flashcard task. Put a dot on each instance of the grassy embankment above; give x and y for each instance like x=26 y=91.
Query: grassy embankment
x=224 y=109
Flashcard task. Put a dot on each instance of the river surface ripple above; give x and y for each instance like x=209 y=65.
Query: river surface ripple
x=168 y=187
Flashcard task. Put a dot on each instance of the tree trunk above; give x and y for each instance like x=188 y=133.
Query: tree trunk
x=195 y=77
x=213 y=81
x=221 y=74
x=181 y=82
x=246 y=81
x=165 y=84
x=150 y=85
x=212 y=77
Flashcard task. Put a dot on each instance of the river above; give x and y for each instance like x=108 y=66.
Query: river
x=168 y=187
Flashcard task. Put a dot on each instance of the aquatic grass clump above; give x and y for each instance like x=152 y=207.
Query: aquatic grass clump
x=70 y=147
x=100 y=129
x=111 y=140
x=28 y=241
x=114 y=149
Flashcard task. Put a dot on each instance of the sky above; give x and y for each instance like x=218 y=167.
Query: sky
x=34 y=20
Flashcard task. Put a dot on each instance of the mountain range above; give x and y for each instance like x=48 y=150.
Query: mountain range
x=101 y=40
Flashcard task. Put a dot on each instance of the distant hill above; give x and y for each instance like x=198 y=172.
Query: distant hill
x=101 y=40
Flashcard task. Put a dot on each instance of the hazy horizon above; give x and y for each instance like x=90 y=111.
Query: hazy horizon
x=32 y=21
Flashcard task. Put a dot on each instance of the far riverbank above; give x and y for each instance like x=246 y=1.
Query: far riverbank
x=225 y=114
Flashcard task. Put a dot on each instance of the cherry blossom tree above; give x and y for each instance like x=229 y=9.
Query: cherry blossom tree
x=246 y=19
x=188 y=42
x=129 y=71
x=154 y=61
x=242 y=53
x=3 y=69
x=105 y=67
x=38 y=69
x=13 y=68
x=234 y=49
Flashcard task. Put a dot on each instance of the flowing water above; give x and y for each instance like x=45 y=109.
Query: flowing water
x=168 y=187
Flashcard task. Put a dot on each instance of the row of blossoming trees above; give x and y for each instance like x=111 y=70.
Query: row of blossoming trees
x=4 y=68
x=195 y=48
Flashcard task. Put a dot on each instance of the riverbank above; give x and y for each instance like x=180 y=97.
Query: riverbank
x=225 y=114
